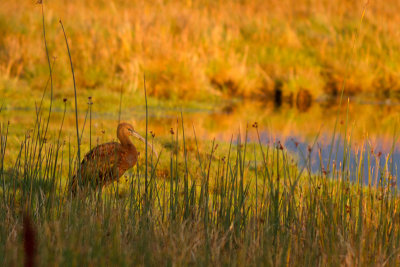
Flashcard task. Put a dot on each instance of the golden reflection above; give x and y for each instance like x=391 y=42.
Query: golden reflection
x=375 y=121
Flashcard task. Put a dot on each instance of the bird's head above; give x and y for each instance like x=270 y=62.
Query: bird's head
x=126 y=129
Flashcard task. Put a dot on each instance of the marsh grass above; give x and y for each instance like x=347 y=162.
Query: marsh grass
x=248 y=204
x=236 y=203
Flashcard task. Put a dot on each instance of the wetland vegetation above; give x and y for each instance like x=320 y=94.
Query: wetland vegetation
x=261 y=161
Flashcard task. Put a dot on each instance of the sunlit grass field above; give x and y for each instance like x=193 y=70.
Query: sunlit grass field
x=225 y=198
x=203 y=50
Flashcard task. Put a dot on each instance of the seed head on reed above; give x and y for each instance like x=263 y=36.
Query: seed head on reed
x=348 y=208
x=255 y=125
x=65 y=100
x=280 y=146
x=172 y=131
x=28 y=134
x=295 y=143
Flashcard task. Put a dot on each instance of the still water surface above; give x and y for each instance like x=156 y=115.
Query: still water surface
x=371 y=128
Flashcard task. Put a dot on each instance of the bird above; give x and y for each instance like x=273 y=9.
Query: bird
x=107 y=162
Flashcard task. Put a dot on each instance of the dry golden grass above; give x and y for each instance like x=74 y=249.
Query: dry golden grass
x=194 y=49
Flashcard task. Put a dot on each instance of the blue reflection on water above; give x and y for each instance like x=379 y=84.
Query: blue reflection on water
x=380 y=164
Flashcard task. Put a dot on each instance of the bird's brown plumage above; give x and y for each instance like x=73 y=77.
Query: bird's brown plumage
x=107 y=162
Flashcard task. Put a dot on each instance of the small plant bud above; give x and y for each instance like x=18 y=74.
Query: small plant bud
x=348 y=208
x=295 y=143
x=280 y=145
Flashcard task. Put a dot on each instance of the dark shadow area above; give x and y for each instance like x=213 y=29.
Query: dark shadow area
x=278 y=94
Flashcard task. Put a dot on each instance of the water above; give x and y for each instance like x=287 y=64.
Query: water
x=371 y=134
x=380 y=159
x=371 y=126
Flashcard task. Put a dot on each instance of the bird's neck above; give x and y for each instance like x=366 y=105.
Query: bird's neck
x=125 y=140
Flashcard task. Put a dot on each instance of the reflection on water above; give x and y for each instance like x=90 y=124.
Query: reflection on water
x=318 y=156
x=369 y=125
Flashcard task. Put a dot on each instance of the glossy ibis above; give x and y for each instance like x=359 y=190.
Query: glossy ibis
x=108 y=162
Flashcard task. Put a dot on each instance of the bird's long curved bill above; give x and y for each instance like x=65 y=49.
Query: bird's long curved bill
x=138 y=136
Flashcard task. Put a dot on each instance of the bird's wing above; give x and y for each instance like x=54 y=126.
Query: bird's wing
x=107 y=152
x=99 y=163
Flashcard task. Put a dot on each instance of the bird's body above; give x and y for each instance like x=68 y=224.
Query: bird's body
x=108 y=162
